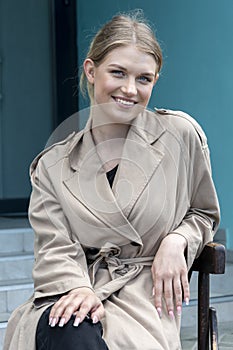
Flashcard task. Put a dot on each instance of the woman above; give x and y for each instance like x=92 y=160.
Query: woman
x=120 y=210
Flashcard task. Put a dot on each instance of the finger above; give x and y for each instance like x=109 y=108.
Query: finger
x=97 y=314
x=178 y=295
x=157 y=293
x=185 y=286
x=87 y=305
x=168 y=295
x=70 y=309
x=63 y=310
x=58 y=305
x=54 y=314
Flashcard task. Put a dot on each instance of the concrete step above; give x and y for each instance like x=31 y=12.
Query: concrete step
x=225 y=337
x=2 y=333
x=16 y=266
x=16 y=263
x=12 y=294
x=15 y=239
x=223 y=306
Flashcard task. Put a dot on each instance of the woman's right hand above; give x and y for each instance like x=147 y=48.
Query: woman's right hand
x=78 y=302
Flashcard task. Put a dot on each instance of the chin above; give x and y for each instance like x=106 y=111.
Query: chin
x=113 y=113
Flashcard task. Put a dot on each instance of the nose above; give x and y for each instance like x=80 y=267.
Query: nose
x=129 y=87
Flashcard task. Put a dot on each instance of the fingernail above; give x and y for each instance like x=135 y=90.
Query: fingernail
x=54 y=321
x=76 y=322
x=95 y=319
x=179 y=310
x=62 y=322
x=159 y=311
x=50 y=321
x=153 y=291
x=187 y=301
x=171 y=314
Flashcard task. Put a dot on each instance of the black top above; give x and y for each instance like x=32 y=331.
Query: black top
x=111 y=174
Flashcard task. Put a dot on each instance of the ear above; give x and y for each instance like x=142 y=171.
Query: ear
x=89 y=69
x=156 y=78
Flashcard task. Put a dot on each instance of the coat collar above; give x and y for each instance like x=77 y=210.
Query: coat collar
x=147 y=127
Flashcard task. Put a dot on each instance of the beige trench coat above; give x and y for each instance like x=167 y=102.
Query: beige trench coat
x=163 y=184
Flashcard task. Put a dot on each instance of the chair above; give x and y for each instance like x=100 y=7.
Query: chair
x=211 y=261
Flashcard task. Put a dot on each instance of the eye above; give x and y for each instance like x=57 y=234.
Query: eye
x=144 y=79
x=118 y=73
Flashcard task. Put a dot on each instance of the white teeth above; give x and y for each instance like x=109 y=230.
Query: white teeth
x=124 y=102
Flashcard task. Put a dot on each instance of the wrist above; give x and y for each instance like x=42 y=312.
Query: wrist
x=176 y=240
x=81 y=289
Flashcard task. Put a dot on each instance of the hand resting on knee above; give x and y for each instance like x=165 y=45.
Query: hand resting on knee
x=79 y=302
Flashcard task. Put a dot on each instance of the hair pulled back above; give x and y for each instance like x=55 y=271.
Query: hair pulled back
x=122 y=30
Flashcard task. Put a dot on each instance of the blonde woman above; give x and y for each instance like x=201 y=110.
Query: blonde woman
x=120 y=210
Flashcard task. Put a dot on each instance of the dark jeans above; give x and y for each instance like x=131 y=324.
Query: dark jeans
x=87 y=336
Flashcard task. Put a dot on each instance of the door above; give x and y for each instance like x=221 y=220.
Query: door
x=25 y=94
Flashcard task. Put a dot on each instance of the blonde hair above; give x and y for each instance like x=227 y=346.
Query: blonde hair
x=121 y=30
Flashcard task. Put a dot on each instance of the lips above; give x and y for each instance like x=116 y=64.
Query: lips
x=124 y=102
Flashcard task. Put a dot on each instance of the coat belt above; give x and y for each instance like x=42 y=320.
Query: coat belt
x=121 y=271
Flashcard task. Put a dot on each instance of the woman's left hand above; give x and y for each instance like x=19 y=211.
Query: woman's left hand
x=170 y=274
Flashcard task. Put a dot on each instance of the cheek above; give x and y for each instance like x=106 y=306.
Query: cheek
x=110 y=85
x=146 y=93
x=104 y=82
x=104 y=87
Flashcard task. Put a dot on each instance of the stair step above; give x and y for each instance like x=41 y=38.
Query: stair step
x=223 y=306
x=12 y=295
x=4 y=317
x=2 y=333
x=15 y=267
x=14 y=240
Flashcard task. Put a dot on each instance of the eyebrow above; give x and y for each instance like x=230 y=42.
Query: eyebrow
x=115 y=65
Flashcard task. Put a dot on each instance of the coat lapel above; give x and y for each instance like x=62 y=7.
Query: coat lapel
x=139 y=160
x=89 y=185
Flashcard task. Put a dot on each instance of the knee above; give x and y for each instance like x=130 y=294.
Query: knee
x=87 y=336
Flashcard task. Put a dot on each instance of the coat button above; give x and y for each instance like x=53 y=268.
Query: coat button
x=135 y=244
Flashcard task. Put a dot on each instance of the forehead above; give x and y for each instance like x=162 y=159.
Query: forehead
x=130 y=57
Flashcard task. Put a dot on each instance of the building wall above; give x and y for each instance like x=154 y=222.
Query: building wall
x=197 y=76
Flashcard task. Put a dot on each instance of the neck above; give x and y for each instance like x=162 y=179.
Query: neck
x=110 y=140
x=109 y=132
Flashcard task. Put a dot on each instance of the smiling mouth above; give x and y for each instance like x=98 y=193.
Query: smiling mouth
x=124 y=102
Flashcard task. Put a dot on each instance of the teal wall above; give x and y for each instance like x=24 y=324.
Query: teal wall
x=197 y=76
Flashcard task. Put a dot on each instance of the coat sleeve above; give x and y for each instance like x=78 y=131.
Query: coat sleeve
x=60 y=263
x=202 y=218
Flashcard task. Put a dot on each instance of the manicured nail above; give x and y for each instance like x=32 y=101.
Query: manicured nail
x=179 y=310
x=187 y=301
x=50 y=321
x=62 y=322
x=171 y=314
x=159 y=311
x=76 y=322
x=54 y=321
x=95 y=319
x=153 y=291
